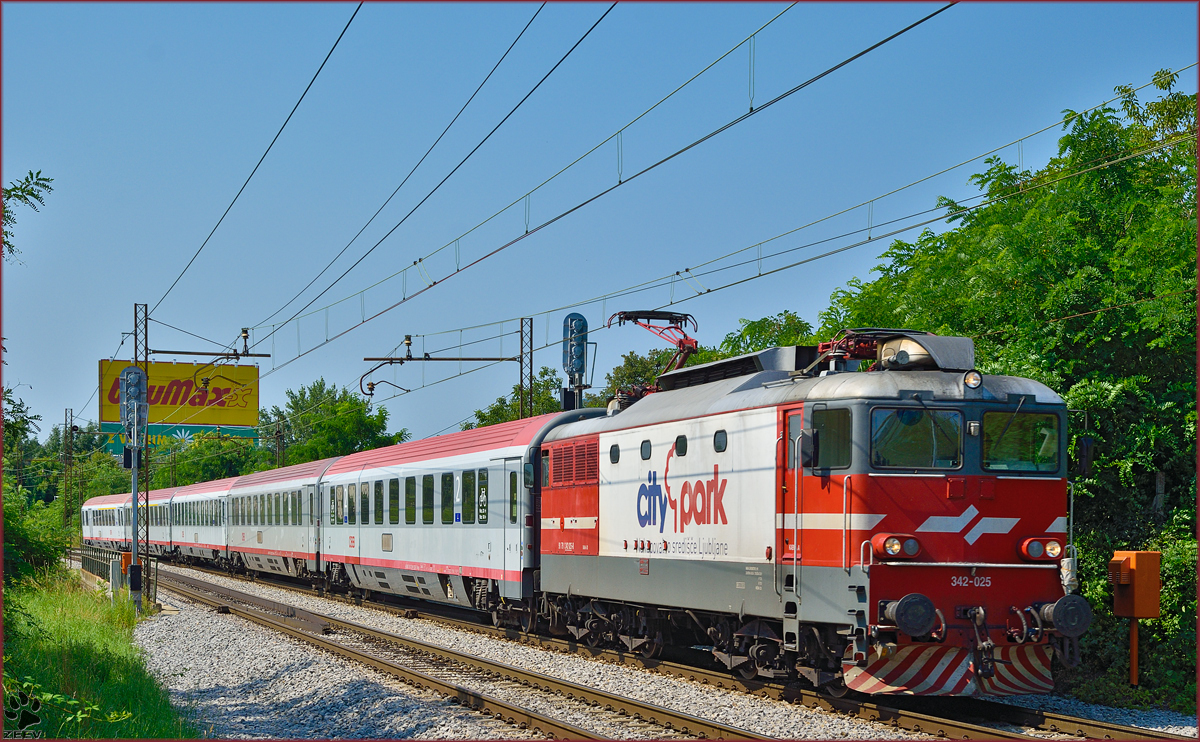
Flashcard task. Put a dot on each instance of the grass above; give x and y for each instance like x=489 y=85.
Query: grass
x=73 y=648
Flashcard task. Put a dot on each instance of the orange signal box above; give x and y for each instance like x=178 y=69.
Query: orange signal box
x=1137 y=584
x=126 y=560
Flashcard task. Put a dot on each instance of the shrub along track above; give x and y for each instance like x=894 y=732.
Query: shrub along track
x=938 y=716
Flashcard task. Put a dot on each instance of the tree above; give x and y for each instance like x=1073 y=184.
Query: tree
x=322 y=420
x=546 y=391
x=29 y=191
x=1083 y=275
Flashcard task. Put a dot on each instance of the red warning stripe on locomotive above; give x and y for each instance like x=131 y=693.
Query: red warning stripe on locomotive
x=942 y=671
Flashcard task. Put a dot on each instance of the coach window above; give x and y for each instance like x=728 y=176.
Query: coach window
x=352 y=504
x=279 y=502
x=379 y=502
x=447 y=498
x=393 y=501
x=287 y=509
x=468 y=496
x=614 y=454
x=339 y=497
x=915 y=438
x=410 y=500
x=483 y=495
x=364 y=500
x=720 y=441
x=427 y=498
x=297 y=503
x=681 y=445
x=645 y=450
x=512 y=497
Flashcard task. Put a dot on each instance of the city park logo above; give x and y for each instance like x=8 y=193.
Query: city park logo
x=699 y=503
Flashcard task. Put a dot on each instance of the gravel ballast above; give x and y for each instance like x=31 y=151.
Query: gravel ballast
x=239 y=680
x=765 y=716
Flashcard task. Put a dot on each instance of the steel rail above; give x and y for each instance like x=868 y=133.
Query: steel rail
x=664 y=717
x=898 y=715
x=481 y=702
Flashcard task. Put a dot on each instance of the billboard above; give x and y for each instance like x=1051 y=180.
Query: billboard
x=161 y=435
x=178 y=396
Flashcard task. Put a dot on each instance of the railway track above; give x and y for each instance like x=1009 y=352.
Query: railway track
x=956 y=718
x=446 y=670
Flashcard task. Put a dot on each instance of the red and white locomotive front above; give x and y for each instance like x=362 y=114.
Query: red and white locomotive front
x=936 y=500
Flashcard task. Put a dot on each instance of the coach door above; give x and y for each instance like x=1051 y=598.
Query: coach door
x=510 y=486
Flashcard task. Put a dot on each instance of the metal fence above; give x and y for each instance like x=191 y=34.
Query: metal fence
x=99 y=563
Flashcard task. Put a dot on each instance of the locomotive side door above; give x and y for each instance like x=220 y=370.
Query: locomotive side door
x=790 y=503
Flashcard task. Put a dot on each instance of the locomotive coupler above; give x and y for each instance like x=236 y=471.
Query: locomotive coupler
x=1023 y=634
x=1067 y=650
x=985 y=661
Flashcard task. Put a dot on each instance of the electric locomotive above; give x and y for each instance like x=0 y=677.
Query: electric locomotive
x=898 y=528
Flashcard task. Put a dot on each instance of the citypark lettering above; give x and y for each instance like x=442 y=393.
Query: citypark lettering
x=699 y=503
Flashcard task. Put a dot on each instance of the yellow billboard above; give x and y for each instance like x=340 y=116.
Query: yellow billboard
x=187 y=393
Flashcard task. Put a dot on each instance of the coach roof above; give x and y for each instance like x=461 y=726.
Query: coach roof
x=215 y=487
x=265 y=480
x=518 y=433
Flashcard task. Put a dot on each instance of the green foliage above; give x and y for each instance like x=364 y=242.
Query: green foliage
x=71 y=649
x=209 y=456
x=546 y=398
x=321 y=420
x=34 y=537
x=19 y=423
x=1025 y=275
x=29 y=191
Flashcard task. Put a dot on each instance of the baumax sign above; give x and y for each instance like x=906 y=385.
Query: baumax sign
x=177 y=394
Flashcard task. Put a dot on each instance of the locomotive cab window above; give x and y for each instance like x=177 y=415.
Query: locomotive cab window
x=833 y=436
x=1023 y=441
x=916 y=438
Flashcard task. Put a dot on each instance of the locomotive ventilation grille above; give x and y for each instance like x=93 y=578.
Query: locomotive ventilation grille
x=576 y=463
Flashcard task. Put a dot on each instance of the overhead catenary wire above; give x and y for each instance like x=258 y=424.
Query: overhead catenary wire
x=562 y=170
x=452 y=171
x=606 y=191
x=414 y=167
x=260 y=162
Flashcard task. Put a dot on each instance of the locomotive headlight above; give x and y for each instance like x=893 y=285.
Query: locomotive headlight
x=892 y=545
x=911 y=546
x=1053 y=549
x=973 y=379
x=1035 y=549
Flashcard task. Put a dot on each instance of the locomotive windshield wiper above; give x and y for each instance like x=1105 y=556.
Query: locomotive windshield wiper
x=933 y=418
x=996 y=445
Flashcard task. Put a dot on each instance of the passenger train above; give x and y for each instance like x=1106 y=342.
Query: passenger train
x=898 y=527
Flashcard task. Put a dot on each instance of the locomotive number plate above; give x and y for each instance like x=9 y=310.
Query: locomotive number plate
x=968 y=581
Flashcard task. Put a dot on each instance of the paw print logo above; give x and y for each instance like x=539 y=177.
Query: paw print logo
x=21 y=710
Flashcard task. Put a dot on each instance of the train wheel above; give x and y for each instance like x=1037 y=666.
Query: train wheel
x=747 y=670
x=652 y=648
x=528 y=621
x=837 y=689
x=496 y=620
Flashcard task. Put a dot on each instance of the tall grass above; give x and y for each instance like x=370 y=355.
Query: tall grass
x=74 y=649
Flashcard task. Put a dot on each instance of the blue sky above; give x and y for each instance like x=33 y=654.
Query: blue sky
x=149 y=117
